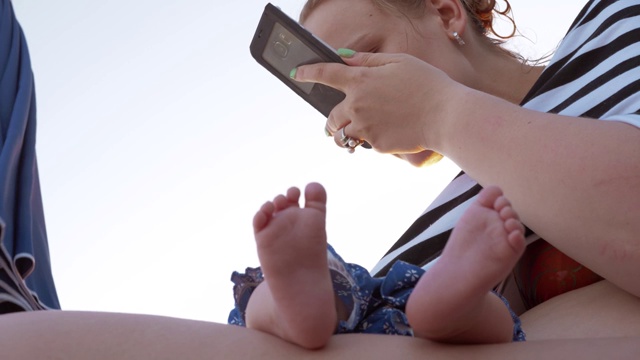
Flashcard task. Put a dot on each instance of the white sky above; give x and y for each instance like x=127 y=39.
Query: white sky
x=159 y=137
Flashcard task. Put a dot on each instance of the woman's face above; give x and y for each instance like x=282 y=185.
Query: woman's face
x=362 y=26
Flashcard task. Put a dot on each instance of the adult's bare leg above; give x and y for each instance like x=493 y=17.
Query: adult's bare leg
x=598 y=310
x=110 y=336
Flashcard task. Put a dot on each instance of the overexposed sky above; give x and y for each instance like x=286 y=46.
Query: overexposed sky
x=159 y=137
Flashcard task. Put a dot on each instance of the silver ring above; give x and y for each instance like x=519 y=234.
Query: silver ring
x=344 y=139
x=349 y=142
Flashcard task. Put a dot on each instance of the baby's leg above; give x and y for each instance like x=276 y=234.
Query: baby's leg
x=296 y=300
x=453 y=302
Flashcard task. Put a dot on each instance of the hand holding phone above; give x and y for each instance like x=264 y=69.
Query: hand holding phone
x=281 y=44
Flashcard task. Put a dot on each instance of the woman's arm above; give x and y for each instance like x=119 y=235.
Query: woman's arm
x=574 y=181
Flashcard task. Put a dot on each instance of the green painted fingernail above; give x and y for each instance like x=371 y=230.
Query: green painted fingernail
x=327 y=132
x=347 y=53
x=293 y=72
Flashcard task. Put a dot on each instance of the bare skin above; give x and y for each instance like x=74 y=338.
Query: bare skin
x=463 y=107
x=296 y=301
x=75 y=335
x=452 y=301
x=575 y=325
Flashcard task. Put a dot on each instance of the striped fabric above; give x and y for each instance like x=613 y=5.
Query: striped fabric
x=595 y=73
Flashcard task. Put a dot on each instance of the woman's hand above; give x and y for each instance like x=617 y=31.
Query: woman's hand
x=374 y=85
x=545 y=163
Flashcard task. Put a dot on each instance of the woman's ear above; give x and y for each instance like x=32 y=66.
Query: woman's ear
x=453 y=15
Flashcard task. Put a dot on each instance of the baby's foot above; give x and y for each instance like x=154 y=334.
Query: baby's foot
x=483 y=248
x=292 y=248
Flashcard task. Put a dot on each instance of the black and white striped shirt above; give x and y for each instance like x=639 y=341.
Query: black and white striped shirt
x=595 y=73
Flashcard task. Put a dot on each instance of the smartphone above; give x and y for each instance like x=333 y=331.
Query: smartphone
x=281 y=44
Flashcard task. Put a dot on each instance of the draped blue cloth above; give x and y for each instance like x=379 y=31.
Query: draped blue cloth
x=25 y=237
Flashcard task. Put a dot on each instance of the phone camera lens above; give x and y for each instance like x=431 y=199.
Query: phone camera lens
x=282 y=50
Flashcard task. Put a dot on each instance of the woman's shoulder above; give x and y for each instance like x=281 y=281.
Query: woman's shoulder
x=594 y=71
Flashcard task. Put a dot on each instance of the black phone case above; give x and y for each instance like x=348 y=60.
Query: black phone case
x=321 y=97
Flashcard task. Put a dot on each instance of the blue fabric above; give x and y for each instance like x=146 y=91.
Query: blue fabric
x=21 y=210
x=376 y=304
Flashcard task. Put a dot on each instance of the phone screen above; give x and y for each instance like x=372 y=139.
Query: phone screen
x=284 y=52
x=280 y=44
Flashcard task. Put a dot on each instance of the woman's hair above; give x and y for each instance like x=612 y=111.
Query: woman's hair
x=481 y=12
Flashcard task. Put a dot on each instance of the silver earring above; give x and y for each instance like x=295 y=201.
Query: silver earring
x=458 y=38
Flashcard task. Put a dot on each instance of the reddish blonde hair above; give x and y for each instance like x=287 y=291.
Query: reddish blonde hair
x=481 y=12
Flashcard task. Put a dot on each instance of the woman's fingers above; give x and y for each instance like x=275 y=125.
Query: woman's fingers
x=374 y=84
x=331 y=74
x=338 y=118
x=339 y=76
x=372 y=59
x=350 y=142
x=337 y=123
x=341 y=137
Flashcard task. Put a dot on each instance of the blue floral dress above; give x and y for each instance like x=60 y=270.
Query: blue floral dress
x=376 y=304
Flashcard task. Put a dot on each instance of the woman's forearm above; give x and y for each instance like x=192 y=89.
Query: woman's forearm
x=576 y=182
